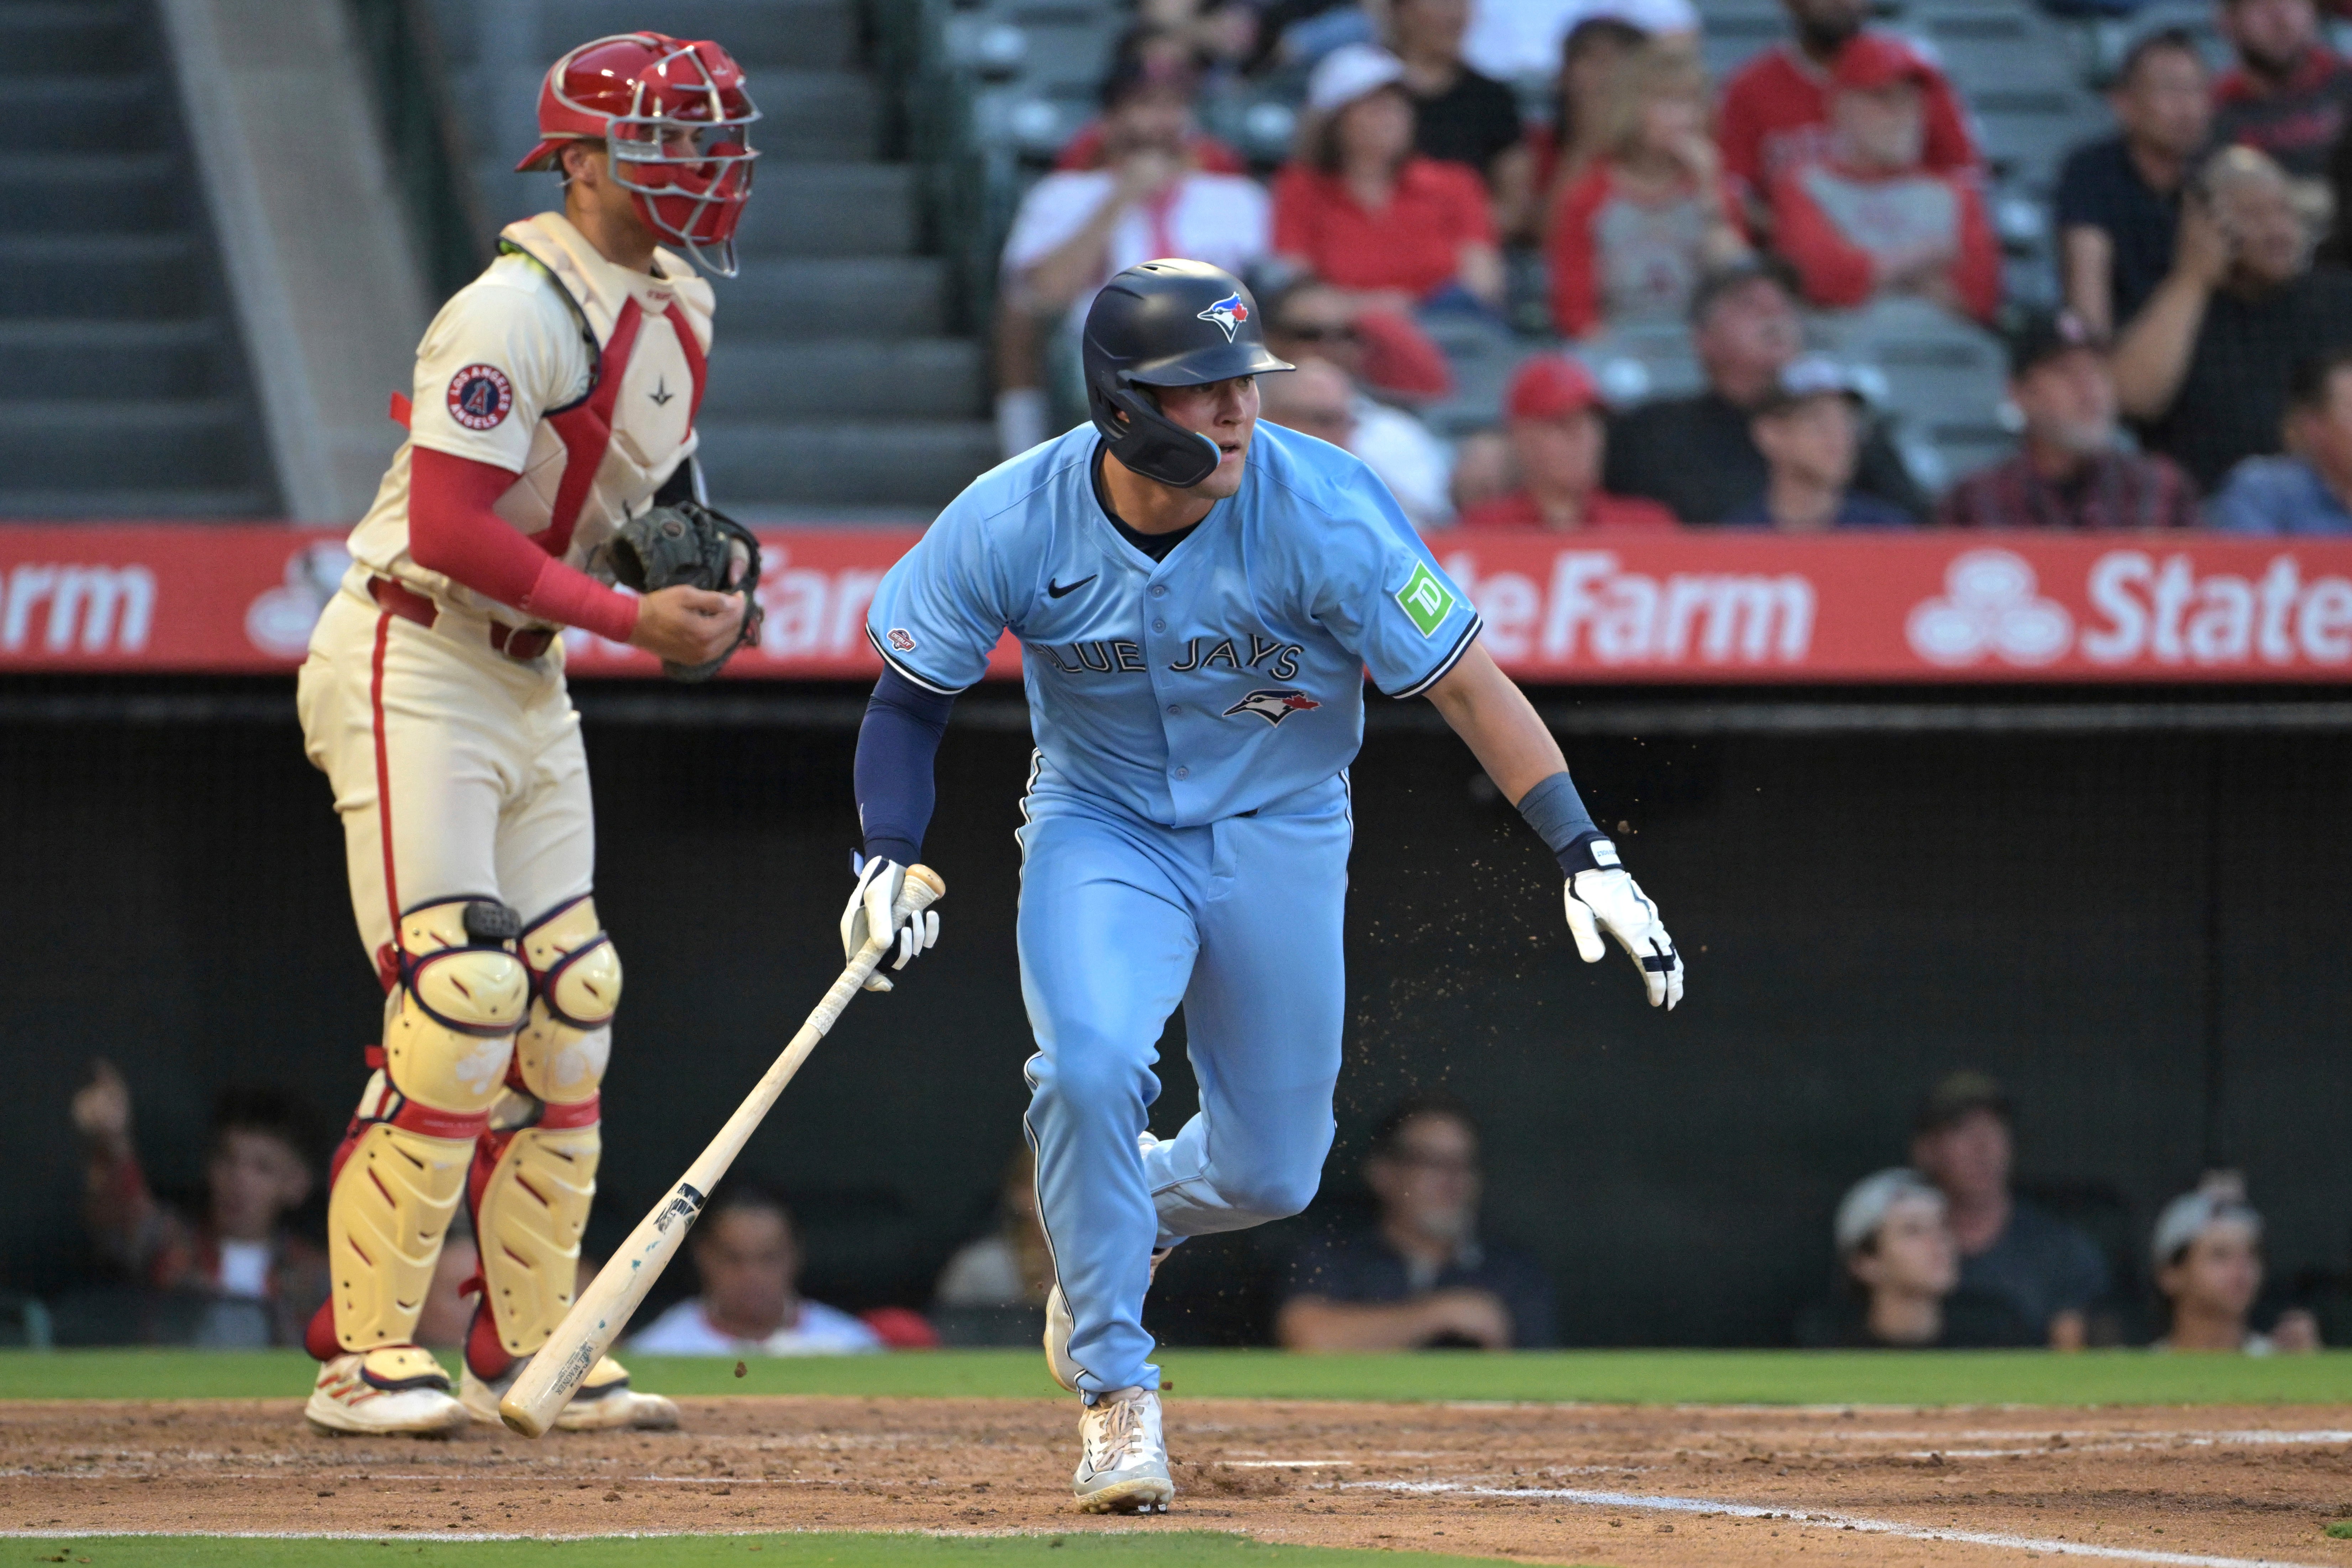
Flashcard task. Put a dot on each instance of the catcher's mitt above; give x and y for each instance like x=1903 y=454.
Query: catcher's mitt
x=689 y=543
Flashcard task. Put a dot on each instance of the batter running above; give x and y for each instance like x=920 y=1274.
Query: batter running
x=1197 y=599
x=554 y=398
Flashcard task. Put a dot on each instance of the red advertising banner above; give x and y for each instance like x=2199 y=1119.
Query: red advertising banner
x=1696 y=606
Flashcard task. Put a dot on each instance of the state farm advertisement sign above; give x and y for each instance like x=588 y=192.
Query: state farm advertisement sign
x=1695 y=606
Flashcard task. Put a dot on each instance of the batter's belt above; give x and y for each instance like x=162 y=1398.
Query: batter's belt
x=521 y=644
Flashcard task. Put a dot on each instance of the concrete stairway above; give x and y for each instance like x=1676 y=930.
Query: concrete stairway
x=123 y=384
x=835 y=393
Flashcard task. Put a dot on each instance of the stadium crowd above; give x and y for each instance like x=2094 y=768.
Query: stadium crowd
x=2181 y=367
x=1941 y=1252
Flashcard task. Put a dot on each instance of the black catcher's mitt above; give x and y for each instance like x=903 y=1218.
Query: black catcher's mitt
x=688 y=542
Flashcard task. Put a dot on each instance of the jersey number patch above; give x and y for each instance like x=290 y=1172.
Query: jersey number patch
x=480 y=396
x=1425 y=600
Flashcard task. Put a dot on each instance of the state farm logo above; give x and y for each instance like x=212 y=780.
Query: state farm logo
x=1593 y=609
x=1993 y=604
x=79 y=609
x=279 y=619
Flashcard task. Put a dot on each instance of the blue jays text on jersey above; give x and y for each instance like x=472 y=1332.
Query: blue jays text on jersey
x=1202 y=686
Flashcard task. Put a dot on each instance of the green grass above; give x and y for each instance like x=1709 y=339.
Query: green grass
x=1641 y=1377
x=1176 y=1549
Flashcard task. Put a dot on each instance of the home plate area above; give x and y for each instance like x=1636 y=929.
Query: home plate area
x=1541 y=1483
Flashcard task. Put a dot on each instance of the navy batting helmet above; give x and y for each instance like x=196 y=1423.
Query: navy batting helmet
x=1167 y=323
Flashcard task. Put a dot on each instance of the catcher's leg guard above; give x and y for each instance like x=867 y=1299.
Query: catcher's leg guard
x=450 y=1023
x=535 y=1168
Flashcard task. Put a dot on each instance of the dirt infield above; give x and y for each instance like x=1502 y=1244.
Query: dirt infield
x=1558 y=1483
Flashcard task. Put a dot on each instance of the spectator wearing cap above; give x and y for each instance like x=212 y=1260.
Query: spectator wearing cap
x=1558 y=440
x=2010 y=1249
x=2204 y=366
x=2307 y=489
x=2118 y=199
x=1318 y=400
x=1809 y=430
x=1697 y=456
x=1899 y=1269
x=1775 y=114
x=2072 y=469
x=2289 y=92
x=1077 y=227
x=1872 y=218
x=1421 y=1275
x=2207 y=1251
x=1461 y=115
x=1360 y=209
x=1630 y=239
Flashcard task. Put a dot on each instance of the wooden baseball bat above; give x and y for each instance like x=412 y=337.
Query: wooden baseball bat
x=603 y=1309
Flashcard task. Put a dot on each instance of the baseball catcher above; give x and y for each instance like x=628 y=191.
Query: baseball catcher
x=551 y=442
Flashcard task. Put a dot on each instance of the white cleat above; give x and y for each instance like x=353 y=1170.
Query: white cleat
x=1123 y=1459
x=393 y=1390
x=605 y=1402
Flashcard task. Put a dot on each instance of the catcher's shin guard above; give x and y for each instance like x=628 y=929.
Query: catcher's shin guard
x=535 y=1168
x=457 y=997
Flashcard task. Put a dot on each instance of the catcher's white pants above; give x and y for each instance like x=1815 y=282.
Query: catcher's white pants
x=457 y=770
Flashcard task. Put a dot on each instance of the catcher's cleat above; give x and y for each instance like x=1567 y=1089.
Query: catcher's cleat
x=605 y=1402
x=391 y=1390
x=1123 y=1460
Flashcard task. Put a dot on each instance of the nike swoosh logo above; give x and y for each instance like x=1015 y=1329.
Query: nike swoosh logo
x=1056 y=590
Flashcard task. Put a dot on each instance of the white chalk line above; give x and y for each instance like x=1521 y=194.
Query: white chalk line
x=1856 y=1522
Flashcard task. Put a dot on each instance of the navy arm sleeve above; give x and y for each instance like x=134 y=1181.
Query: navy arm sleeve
x=895 y=746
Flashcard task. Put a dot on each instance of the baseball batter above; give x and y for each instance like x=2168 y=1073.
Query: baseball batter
x=554 y=397
x=1198 y=598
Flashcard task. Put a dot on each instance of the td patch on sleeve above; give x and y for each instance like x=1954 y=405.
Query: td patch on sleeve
x=1426 y=600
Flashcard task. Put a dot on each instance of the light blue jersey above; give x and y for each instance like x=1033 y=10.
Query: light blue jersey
x=1186 y=831
x=1198 y=688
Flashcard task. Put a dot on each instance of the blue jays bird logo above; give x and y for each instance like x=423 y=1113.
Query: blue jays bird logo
x=1275 y=703
x=1228 y=313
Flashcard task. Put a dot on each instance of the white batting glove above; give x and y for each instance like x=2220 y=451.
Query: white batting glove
x=871 y=906
x=1609 y=900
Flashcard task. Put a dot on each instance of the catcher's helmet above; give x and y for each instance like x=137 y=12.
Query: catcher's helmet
x=1167 y=323
x=675 y=119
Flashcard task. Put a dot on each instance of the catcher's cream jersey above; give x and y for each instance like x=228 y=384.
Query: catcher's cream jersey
x=580 y=376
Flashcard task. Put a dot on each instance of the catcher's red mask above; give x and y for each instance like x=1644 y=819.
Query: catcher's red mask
x=674 y=120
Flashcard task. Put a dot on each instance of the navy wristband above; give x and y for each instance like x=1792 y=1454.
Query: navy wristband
x=1557 y=813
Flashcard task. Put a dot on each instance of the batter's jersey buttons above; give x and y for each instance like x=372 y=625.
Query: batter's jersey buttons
x=1159 y=625
x=1160 y=590
x=1183 y=773
x=1175 y=708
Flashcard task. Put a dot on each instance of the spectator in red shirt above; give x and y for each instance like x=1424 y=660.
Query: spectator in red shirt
x=2289 y=93
x=1557 y=442
x=1633 y=235
x=2071 y=469
x=1872 y=218
x=1589 y=57
x=1775 y=115
x=1360 y=209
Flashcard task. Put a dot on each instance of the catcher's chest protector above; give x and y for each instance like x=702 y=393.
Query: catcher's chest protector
x=602 y=457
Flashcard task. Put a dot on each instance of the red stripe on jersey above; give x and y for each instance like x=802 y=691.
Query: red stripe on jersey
x=586 y=431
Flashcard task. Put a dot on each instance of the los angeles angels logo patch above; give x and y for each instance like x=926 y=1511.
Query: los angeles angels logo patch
x=480 y=396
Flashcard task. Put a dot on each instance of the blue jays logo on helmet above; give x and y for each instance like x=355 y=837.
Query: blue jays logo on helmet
x=1229 y=313
x=1275 y=703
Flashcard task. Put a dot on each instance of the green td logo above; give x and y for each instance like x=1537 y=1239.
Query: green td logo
x=1426 y=599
